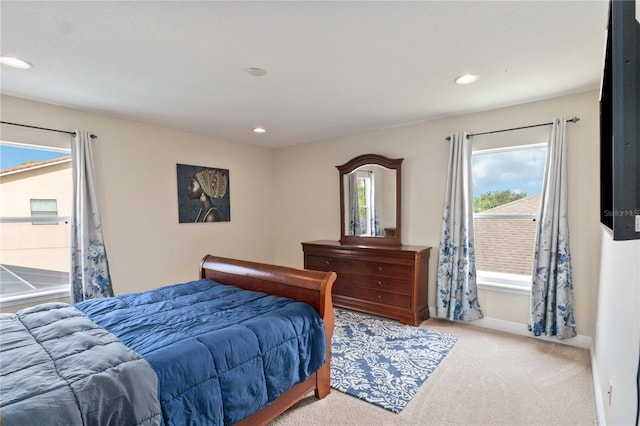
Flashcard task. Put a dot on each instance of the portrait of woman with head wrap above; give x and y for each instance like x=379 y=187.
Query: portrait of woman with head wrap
x=210 y=187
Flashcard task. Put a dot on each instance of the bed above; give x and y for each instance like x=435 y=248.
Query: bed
x=242 y=361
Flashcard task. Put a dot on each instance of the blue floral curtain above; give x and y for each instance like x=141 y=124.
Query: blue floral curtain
x=552 y=287
x=456 y=287
x=354 y=206
x=89 y=266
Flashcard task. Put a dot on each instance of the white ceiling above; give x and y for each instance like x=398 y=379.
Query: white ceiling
x=333 y=68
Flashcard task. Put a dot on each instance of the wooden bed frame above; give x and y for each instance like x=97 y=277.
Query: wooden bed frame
x=311 y=287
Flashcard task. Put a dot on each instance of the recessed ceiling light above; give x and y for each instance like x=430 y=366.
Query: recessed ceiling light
x=256 y=72
x=466 y=79
x=13 y=62
x=259 y=130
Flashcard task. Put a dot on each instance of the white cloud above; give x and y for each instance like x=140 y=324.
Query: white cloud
x=518 y=170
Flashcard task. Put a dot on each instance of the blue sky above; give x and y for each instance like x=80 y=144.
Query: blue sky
x=518 y=170
x=11 y=156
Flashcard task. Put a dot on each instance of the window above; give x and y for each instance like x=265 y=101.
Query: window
x=365 y=188
x=507 y=183
x=36 y=189
x=44 y=209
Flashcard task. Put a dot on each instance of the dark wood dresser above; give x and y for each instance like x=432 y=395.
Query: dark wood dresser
x=389 y=281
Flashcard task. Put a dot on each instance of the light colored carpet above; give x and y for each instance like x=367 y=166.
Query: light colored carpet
x=488 y=378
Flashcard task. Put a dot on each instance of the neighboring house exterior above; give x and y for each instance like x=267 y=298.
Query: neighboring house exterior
x=506 y=245
x=25 y=244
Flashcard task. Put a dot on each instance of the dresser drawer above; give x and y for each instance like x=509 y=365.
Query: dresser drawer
x=391 y=285
x=382 y=269
x=342 y=287
x=372 y=295
x=323 y=263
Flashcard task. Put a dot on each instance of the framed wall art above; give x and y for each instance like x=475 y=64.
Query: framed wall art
x=203 y=194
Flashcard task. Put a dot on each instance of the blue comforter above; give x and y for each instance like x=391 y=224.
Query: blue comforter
x=59 y=368
x=220 y=353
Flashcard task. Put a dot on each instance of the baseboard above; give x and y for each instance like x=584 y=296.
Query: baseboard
x=522 y=330
x=597 y=390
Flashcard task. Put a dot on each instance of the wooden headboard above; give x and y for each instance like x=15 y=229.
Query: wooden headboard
x=304 y=285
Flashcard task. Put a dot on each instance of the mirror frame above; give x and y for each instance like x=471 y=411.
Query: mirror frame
x=351 y=165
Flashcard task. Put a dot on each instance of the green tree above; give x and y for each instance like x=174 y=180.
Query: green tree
x=491 y=199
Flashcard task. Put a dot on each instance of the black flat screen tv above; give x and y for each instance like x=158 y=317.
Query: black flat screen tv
x=620 y=123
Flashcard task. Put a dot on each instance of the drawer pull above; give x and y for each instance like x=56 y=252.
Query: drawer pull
x=379 y=268
x=380 y=283
x=327 y=262
x=379 y=296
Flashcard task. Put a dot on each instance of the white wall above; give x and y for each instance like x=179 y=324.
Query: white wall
x=617 y=335
x=136 y=175
x=307 y=200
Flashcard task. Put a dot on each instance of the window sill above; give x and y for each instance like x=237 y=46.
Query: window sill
x=34 y=298
x=505 y=288
x=507 y=283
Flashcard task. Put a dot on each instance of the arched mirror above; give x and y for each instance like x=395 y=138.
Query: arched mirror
x=370 y=200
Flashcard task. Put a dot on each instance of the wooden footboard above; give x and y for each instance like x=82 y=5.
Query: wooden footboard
x=311 y=287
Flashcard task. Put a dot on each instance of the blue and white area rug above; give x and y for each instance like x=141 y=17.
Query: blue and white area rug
x=382 y=361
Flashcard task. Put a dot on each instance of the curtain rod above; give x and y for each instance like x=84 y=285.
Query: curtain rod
x=44 y=128
x=569 y=120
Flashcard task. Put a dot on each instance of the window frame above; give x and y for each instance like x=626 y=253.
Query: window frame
x=502 y=281
x=36 y=297
x=54 y=292
x=51 y=217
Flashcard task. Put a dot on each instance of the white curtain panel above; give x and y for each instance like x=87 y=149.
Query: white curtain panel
x=375 y=223
x=456 y=286
x=89 y=266
x=552 y=285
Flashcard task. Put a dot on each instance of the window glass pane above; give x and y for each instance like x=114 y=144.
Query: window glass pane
x=17 y=155
x=506 y=189
x=47 y=207
x=502 y=176
x=34 y=259
x=364 y=202
x=44 y=208
x=504 y=245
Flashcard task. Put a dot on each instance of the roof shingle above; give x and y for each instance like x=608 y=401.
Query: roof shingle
x=506 y=245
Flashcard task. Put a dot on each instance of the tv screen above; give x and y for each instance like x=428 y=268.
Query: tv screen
x=620 y=124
